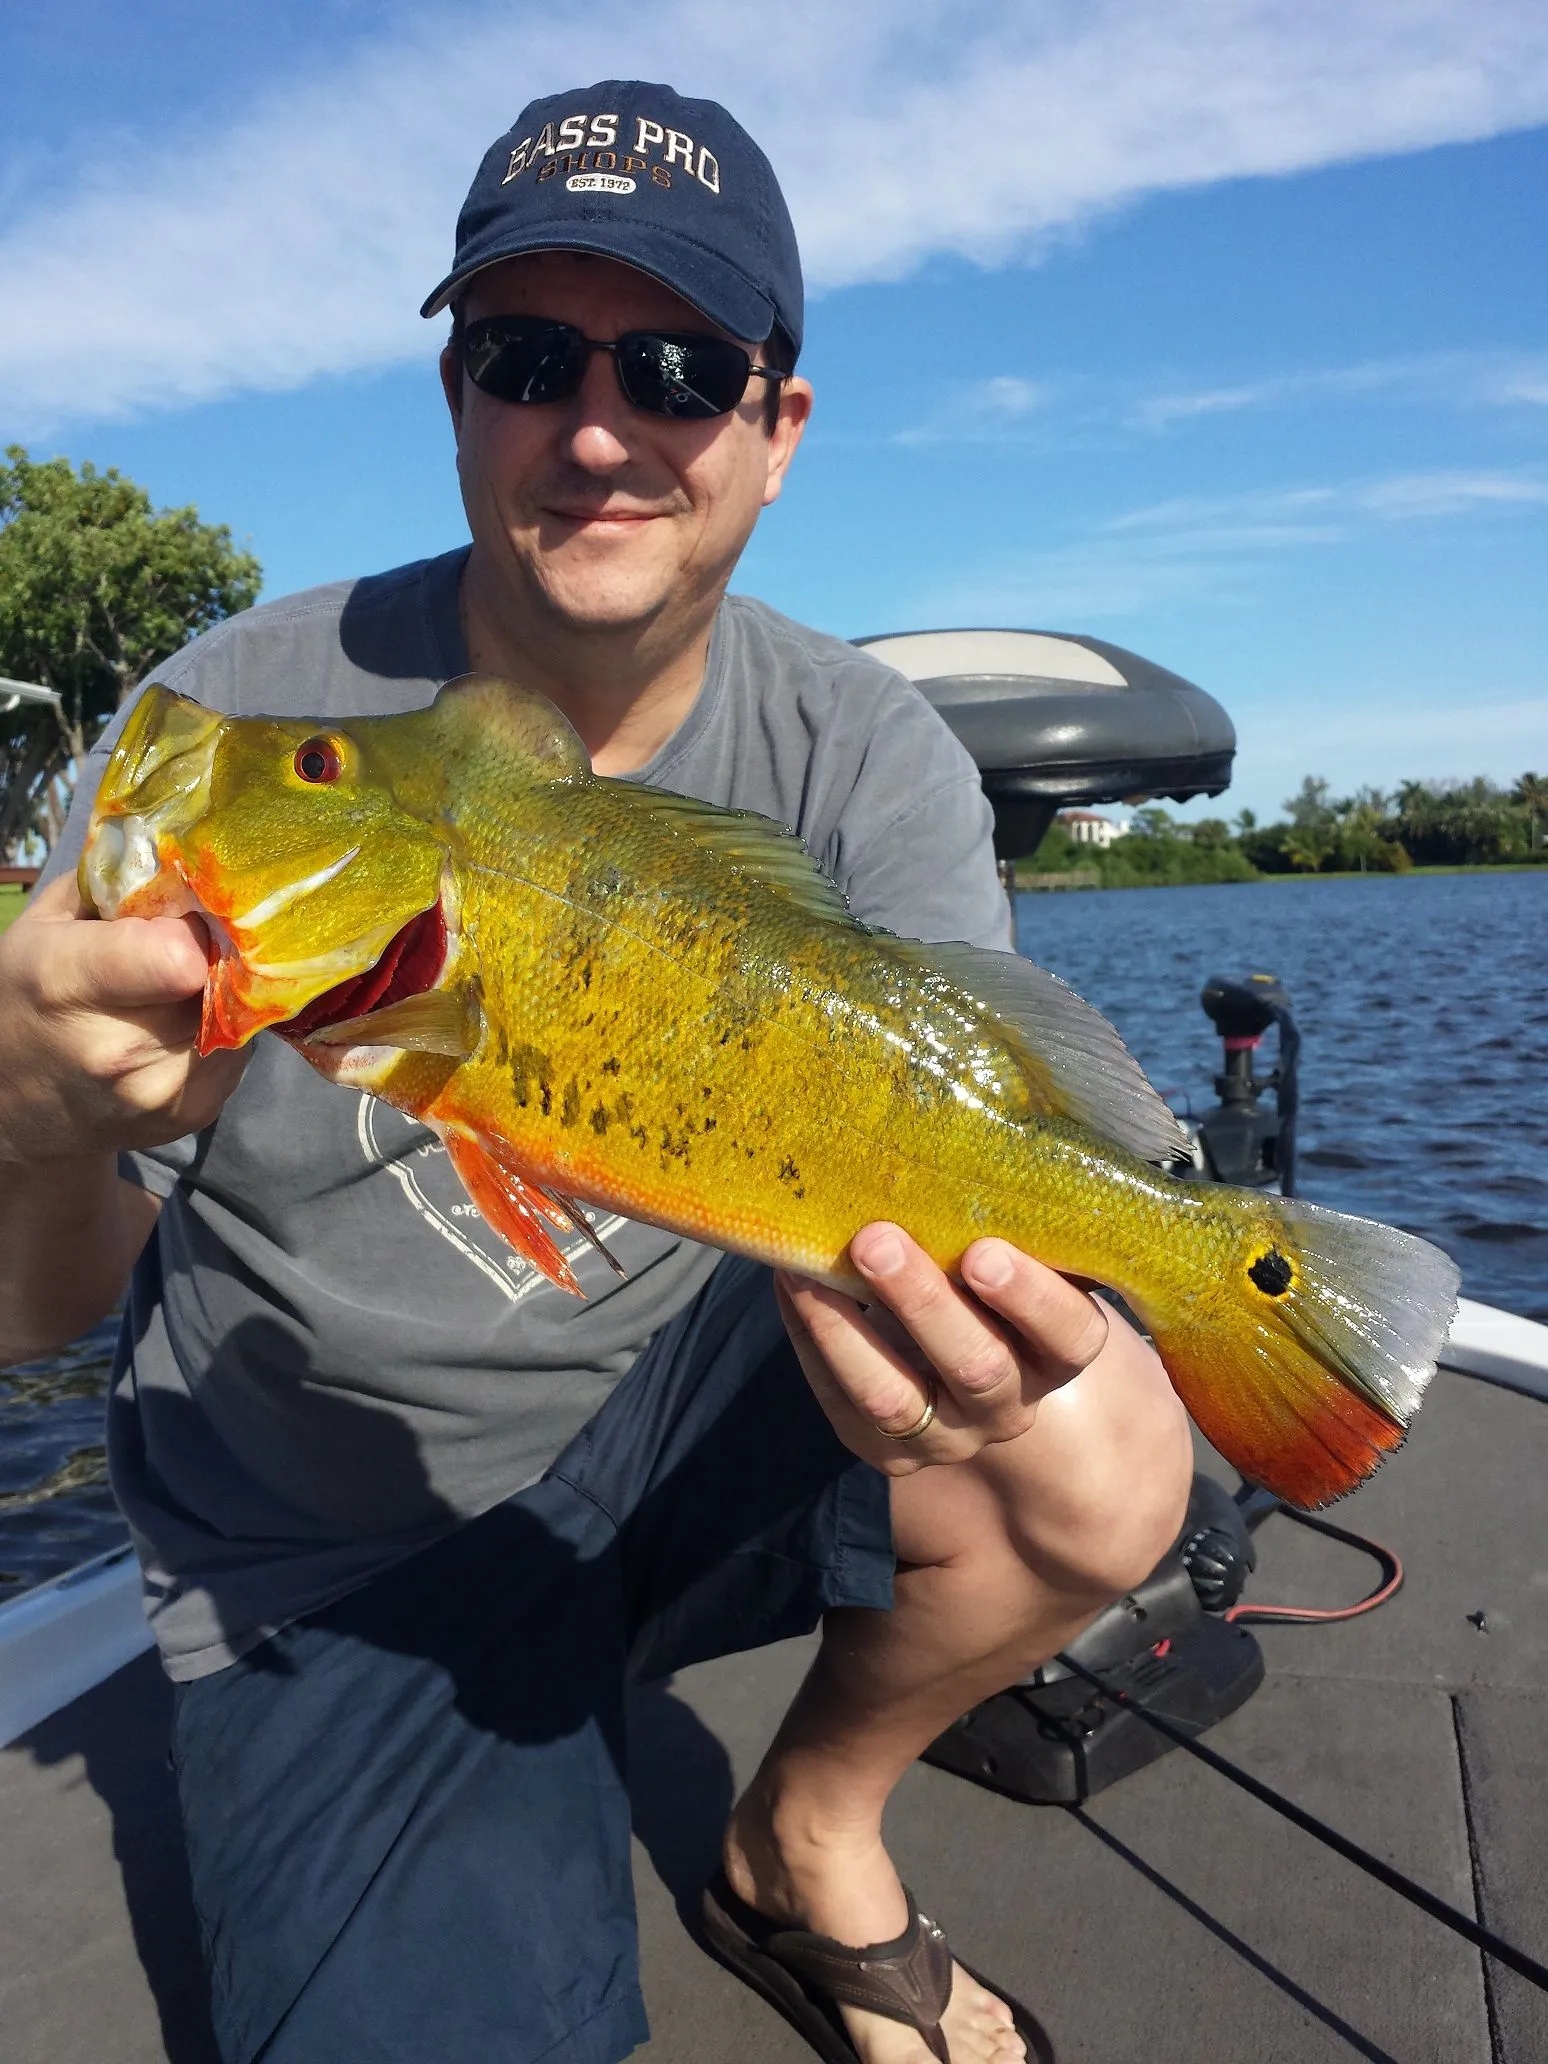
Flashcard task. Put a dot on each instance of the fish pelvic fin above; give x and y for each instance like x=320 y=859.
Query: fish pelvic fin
x=1305 y=1359
x=1074 y=1063
x=515 y=1207
x=588 y=1232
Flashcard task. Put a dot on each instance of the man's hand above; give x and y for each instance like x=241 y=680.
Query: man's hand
x=986 y=1355
x=98 y=1024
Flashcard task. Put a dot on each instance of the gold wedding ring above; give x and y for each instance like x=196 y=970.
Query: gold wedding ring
x=921 y=1425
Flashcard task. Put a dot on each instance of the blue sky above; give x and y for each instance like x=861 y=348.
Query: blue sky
x=1218 y=328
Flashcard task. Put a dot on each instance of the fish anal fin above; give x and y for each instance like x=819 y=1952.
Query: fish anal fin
x=439 y=1021
x=515 y=1207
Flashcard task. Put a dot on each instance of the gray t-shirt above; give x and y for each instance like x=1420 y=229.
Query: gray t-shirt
x=328 y=1358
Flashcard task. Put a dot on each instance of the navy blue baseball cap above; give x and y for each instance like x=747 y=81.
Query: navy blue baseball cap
x=632 y=171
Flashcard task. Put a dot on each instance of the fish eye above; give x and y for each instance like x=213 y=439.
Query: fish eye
x=318 y=760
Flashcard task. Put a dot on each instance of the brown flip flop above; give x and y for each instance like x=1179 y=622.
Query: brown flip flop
x=804 y=1976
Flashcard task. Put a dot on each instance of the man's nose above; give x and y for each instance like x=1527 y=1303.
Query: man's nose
x=598 y=432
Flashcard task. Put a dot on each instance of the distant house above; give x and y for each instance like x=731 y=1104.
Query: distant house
x=1087 y=828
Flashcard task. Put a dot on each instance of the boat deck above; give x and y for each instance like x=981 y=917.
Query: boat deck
x=1171 y=1920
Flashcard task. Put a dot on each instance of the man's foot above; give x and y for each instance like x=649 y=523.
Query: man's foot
x=845 y=1886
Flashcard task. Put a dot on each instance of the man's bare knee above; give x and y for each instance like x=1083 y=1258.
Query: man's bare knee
x=1102 y=1523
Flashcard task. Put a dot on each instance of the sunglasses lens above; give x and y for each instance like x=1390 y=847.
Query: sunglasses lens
x=516 y=360
x=693 y=377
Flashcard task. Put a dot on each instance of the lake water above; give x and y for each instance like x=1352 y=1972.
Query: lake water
x=1423 y=1007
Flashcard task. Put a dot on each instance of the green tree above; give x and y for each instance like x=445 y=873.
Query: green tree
x=1309 y=807
x=1531 y=792
x=1213 y=833
x=1358 y=837
x=1153 y=822
x=95 y=588
x=1462 y=823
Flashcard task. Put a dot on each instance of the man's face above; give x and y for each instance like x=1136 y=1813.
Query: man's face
x=593 y=511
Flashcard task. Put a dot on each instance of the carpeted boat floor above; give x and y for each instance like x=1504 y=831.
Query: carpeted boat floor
x=1170 y=1921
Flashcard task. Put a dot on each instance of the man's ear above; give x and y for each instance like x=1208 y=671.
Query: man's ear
x=451 y=382
x=795 y=408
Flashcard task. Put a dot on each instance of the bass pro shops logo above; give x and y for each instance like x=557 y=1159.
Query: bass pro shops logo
x=586 y=149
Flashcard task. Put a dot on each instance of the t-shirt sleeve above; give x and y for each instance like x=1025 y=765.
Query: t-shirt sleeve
x=913 y=848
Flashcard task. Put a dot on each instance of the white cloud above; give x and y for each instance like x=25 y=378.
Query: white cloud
x=1208 y=547
x=298 y=240
x=1449 y=493
x=984 y=411
x=1019 y=408
x=1478 y=379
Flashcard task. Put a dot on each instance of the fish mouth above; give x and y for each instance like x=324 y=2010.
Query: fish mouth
x=411 y=963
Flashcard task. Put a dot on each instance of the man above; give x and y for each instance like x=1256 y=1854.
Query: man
x=409 y=1517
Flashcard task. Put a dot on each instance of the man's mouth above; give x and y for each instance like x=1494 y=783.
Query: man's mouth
x=411 y=964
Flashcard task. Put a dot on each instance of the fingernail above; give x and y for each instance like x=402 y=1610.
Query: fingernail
x=991 y=1266
x=883 y=1256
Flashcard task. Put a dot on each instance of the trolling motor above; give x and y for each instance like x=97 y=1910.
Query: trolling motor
x=1167 y=1647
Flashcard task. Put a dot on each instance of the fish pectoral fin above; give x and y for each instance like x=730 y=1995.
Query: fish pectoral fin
x=439 y=1021
x=515 y=1207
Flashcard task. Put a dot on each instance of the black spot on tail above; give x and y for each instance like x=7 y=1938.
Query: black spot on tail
x=1272 y=1273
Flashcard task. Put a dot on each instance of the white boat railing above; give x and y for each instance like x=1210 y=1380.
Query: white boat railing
x=1499 y=1347
x=66 y=1636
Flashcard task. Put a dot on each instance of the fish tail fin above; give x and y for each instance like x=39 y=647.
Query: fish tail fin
x=1305 y=1358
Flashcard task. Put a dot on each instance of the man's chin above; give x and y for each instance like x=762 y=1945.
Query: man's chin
x=605 y=584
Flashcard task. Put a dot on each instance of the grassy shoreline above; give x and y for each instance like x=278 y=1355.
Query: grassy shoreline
x=11 y=901
x=1033 y=883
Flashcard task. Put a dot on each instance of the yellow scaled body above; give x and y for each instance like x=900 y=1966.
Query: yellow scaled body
x=598 y=993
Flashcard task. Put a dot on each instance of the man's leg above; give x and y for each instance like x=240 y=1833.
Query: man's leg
x=1002 y=1557
x=406 y=1822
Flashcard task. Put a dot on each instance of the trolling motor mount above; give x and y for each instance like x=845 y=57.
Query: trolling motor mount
x=1239 y=1140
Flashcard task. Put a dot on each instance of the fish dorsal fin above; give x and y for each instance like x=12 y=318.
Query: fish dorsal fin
x=527 y=724
x=1074 y=1062
x=761 y=847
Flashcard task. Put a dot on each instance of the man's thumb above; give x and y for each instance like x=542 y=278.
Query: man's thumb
x=129 y=964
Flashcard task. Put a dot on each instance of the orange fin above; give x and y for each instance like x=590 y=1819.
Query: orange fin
x=515 y=1207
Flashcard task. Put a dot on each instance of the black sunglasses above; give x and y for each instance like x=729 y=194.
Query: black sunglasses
x=528 y=358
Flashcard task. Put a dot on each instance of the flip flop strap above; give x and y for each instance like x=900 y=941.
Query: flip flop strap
x=906 y=1980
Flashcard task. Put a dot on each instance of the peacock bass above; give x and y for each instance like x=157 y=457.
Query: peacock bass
x=600 y=993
